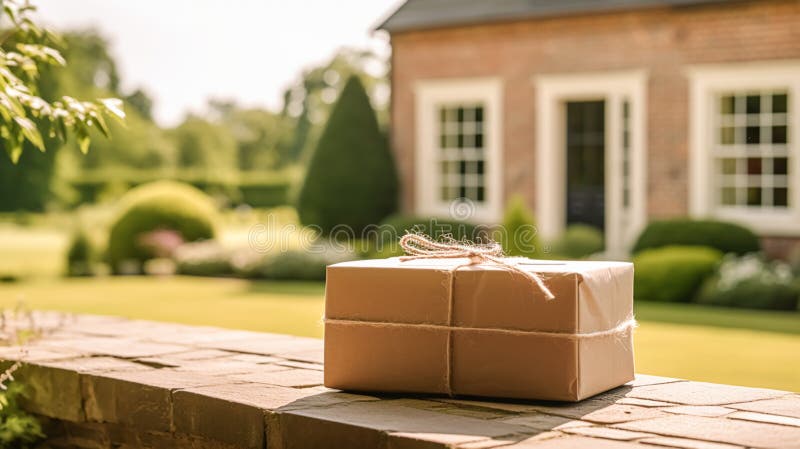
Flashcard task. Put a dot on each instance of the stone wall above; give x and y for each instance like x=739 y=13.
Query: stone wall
x=103 y=382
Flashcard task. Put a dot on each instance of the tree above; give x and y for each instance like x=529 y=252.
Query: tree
x=140 y=102
x=310 y=99
x=24 y=51
x=204 y=146
x=263 y=137
x=351 y=178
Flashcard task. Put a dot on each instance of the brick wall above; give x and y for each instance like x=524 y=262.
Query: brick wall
x=661 y=41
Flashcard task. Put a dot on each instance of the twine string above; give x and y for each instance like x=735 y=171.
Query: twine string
x=418 y=246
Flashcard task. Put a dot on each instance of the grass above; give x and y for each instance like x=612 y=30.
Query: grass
x=743 y=347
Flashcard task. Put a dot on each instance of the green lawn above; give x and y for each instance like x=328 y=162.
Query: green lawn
x=717 y=345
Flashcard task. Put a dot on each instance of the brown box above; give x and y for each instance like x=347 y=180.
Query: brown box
x=389 y=327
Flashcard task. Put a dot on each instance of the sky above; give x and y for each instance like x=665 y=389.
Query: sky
x=183 y=52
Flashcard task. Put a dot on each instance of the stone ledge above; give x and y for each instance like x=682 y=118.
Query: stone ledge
x=106 y=382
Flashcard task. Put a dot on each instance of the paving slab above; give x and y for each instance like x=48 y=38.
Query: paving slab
x=702 y=393
x=788 y=405
x=720 y=430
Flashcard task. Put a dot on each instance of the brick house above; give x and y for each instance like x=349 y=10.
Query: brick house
x=607 y=112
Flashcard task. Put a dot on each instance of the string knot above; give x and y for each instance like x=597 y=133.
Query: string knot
x=419 y=246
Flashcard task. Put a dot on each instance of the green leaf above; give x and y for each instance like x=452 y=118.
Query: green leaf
x=113 y=106
x=30 y=131
x=83 y=143
x=14 y=150
x=82 y=136
x=101 y=123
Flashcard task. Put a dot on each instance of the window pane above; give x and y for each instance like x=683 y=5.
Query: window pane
x=779 y=103
x=452 y=141
x=729 y=166
x=461 y=166
x=779 y=134
x=753 y=135
x=754 y=196
x=780 y=197
x=757 y=180
x=727 y=103
x=754 y=166
x=728 y=196
x=780 y=166
x=753 y=104
x=727 y=135
x=478 y=140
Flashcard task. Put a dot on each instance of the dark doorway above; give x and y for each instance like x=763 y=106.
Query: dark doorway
x=586 y=163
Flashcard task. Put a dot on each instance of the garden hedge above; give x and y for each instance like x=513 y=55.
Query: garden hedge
x=262 y=190
x=724 y=236
x=579 y=241
x=351 y=178
x=752 y=282
x=673 y=273
x=519 y=236
x=159 y=205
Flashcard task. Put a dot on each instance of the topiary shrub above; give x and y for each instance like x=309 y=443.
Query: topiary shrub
x=673 y=273
x=579 y=241
x=724 y=236
x=81 y=255
x=161 y=205
x=751 y=282
x=518 y=235
x=351 y=179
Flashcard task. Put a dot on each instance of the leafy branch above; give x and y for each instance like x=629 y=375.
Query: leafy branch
x=23 y=114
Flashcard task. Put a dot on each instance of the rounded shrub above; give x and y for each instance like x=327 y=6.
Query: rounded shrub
x=518 y=235
x=81 y=255
x=161 y=205
x=673 y=273
x=724 y=236
x=579 y=241
x=351 y=178
x=751 y=282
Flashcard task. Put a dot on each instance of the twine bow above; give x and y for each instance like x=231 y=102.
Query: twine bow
x=418 y=246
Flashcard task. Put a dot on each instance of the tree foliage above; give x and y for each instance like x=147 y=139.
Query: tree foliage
x=36 y=179
x=263 y=138
x=203 y=145
x=311 y=98
x=25 y=50
x=351 y=178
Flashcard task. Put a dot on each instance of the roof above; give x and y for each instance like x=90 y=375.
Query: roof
x=421 y=14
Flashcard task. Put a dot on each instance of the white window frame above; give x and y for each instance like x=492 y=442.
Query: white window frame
x=706 y=83
x=430 y=95
x=552 y=93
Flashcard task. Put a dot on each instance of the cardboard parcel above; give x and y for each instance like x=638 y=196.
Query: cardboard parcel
x=438 y=326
